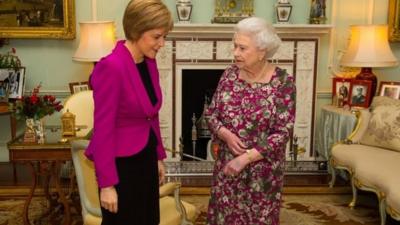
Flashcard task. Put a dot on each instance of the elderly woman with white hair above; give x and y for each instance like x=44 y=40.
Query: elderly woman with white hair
x=251 y=117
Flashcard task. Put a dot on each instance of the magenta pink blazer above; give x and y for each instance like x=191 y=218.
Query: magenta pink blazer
x=123 y=113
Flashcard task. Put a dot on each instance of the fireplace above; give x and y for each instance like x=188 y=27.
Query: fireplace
x=196 y=86
x=195 y=56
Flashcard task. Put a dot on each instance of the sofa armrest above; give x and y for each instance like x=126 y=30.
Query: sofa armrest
x=363 y=116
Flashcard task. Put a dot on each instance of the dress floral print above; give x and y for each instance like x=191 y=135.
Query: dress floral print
x=262 y=116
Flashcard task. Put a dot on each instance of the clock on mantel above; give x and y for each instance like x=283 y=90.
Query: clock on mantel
x=232 y=11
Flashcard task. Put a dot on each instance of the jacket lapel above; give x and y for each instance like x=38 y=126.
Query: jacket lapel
x=136 y=81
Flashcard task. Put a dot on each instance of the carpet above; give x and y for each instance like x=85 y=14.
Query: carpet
x=315 y=209
x=11 y=212
x=310 y=209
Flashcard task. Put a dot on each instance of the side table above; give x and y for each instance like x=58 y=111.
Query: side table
x=49 y=157
x=335 y=124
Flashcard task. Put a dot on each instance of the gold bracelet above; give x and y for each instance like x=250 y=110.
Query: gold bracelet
x=249 y=155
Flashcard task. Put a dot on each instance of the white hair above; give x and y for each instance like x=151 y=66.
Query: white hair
x=262 y=32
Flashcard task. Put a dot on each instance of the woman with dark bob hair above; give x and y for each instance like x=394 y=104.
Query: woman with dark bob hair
x=126 y=144
x=251 y=116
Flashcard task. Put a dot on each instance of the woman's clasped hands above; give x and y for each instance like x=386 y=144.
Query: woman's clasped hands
x=237 y=147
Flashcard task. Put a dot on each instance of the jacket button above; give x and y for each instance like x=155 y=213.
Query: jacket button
x=148 y=118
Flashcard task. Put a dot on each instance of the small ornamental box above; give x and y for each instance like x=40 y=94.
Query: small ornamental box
x=68 y=124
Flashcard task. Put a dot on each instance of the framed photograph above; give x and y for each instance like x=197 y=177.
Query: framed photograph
x=341 y=90
x=394 y=20
x=360 y=92
x=76 y=87
x=37 y=19
x=3 y=91
x=15 y=79
x=390 y=89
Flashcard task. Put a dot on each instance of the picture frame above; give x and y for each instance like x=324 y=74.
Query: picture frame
x=340 y=91
x=4 y=90
x=76 y=87
x=15 y=77
x=360 y=93
x=390 y=89
x=54 y=19
x=394 y=20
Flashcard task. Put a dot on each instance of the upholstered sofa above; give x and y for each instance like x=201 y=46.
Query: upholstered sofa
x=371 y=155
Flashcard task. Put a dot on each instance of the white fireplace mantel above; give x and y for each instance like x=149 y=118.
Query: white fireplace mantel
x=182 y=30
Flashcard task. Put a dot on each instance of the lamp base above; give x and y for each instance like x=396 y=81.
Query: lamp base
x=366 y=74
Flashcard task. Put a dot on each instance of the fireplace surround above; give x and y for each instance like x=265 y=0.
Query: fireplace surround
x=208 y=47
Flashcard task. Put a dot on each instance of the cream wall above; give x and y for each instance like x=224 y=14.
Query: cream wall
x=50 y=61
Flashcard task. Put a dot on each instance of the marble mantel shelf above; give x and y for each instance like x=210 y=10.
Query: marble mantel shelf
x=227 y=29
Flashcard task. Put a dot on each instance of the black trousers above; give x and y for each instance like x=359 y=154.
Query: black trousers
x=138 y=189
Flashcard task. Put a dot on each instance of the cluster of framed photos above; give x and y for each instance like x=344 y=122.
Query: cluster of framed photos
x=352 y=92
x=12 y=82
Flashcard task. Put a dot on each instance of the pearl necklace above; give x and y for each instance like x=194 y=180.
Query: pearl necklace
x=258 y=77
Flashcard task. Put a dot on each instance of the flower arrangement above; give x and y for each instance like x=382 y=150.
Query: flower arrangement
x=10 y=60
x=36 y=106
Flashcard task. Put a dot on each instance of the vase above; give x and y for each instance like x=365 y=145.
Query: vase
x=34 y=131
x=184 y=10
x=283 y=11
x=30 y=134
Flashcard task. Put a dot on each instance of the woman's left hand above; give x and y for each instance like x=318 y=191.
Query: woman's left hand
x=161 y=172
x=235 y=166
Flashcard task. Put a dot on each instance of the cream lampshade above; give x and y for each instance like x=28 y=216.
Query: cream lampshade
x=97 y=40
x=369 y=47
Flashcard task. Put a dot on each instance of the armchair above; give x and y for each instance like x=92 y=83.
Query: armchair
x=173 y=211
x=82 y=106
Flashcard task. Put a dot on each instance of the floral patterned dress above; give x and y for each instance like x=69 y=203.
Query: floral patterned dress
x=262 y=116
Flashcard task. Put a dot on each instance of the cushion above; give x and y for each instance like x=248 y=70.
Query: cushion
x=379 y=169
x=384 y=125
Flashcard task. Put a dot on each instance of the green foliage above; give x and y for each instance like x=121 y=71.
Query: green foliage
x=10 y=60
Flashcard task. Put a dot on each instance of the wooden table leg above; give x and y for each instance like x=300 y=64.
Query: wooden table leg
x=61 y=194
x=13 y=125
x=29 y=198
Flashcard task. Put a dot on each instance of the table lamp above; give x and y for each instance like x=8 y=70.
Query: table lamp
x=97 y=39
x=369 y=47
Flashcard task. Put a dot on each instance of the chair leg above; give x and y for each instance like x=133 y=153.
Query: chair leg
x=382 y=210
x=180 y=207
x=354 y=190
x=333 y=178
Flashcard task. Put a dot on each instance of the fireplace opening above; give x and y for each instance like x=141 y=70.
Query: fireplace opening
x=198 y=87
